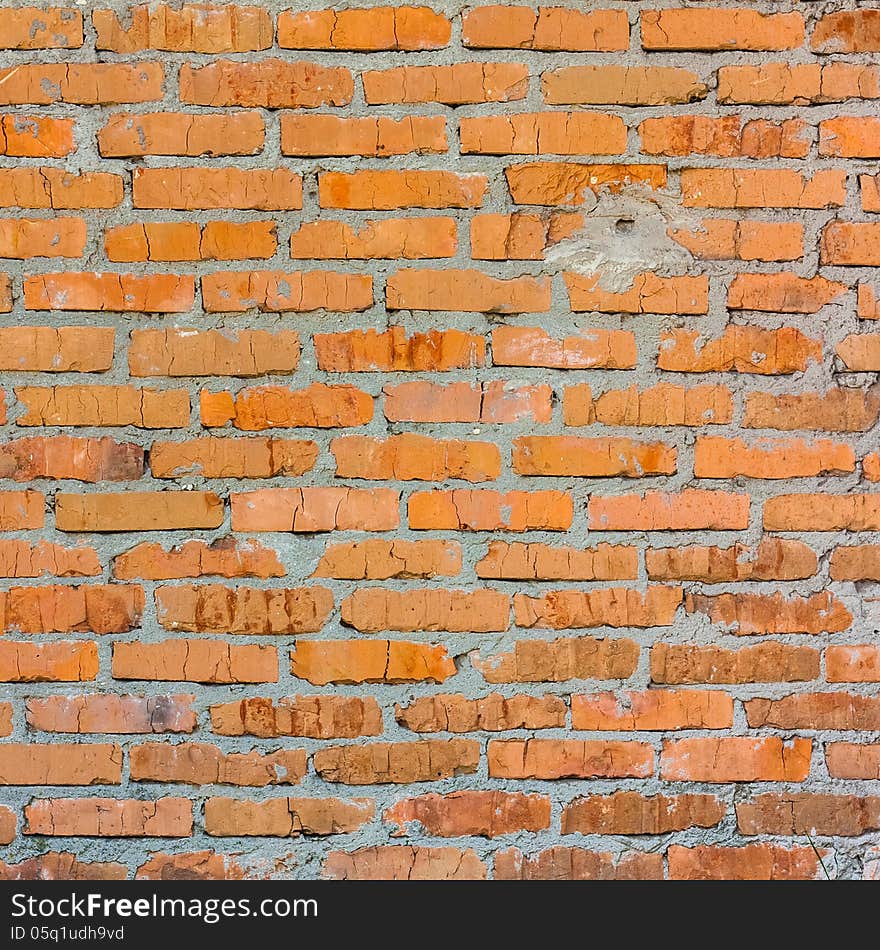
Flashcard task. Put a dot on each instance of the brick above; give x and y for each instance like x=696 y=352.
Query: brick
x=137 y=511
x=36 y=136
x=57 y=189
x=120 y=292
x=629 y=813
x=549 y=29
x=745 y=614
x=216 y=608
x=109 y=818
x=485 y=510
x=112 y=714
x=608 y=607
x=720 y=29
x=29 y=28
x=364 y=30
x=266 y=83
x=168 y=133
x=770 y=662
x=65 y=457
x=180 y=352
x=869 y=188
x=103 y=406
x=736 y=759
x=654 y=710
x=274 y=291
x=857 y=562
x=849 y=31
x=84 y=84
x=594 y=458
x=567 y=183
x=188 y=241
x=517 y=561
x=410 y=456
x=740 y=349
x=24 y=238
x=189 y=189
x=492 y=713
x=196 y=866
x=465 y=290
x=404 y=863
x=779 y=83
x=195 y=661
x=660 y=405
x=755 y=862
x=386 y=239
x=851 y=244
x=97 y=608
x=568 y=758
x=57 y=764
x=725 y=239
x=377 y=559
x=849 y=760
x=8 y=824
x=21 y=510
x=835 y=410
x=566 y=658
x=455 y=85
x=62 y=866
x=577 y=864
x=689 y=510
x=725 y=137
x=196 y=28
x=621 y=85
x=543 y=133
x=782 y=293
x=485 y=814
x=77 y=349
x=850 y=137
x=371 y=137
x=224 y=557
x=314 y=717
x=649 y=294
x=370 y=661
x=839 y=711
x=494 y=402
x=523 y=236
x=719 y=457
x=267 y=407
x=771 y=559
x=761 y=188
x=853 y=664
x=56 y=662
x=388 y=190
x=860 y=353
x=315 y=509
x=398 y=763
x=591 y=349
x=286 y=817
x=802 y=813
x=853 y=512
x=197 y=763
x=44 y=558
x=374 y=609
x=369 y=351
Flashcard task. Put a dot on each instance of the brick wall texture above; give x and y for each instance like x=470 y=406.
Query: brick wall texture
x=440 y=441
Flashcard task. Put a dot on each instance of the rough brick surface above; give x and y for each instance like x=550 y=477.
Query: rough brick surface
x=443 y=434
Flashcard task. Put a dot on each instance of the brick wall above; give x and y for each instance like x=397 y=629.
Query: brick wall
x=440 y=442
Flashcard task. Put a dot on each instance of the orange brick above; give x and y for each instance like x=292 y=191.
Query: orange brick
x=224 y=557
x=567 y=183
x=550 y=29
x=718 y=457
x=782 y=293
x=654 y=710
x=455 y=85
x=621 y=85
x=103 y=406
x=168 y=133
x=315 y=509
x=690 y=510
x=736 y=759
x=568 y=455
x=41 y=28
x=364 y=30
x=108 y=817
x=544 y=133
x=266 y=83
x=771 y=559
x=83 y=763
x=195 y=661
x=372 y=137
x=629 y=813
x=492 y=713
x=497 y=401
x=369 y=351
x=577 y=864
x=158 y=293
x=769 y=662
x=568 y=758
x=850 y=31
x=397 y=763
x=54 y=188
x=387 y=190
x=191 y=189
x=591 y=349
x=726 y=137
x=740 y=349
x=232 y=458
x=376 y=559
x=375 y=610
x=484 y=510
x=761 y=188
x=109 y=714
x=197 y=763
x=138 y=511
x=836 y=711
x=286 y=817
x=277 y=291
x=62 y=866
x=484 y=813
x=465 y=290
x=57 y=662
x=726 y=239
x=370 y=661
x=609 y=607
x=516 y=561
x=268 y=407
x=555 y=661
x=81 y=83
x=411 y=456
x=179 y=352
x=720 y=29
x=404 y=863
x=754 y=862
x=745 y=613
x=316 y=717
x=389 y=239
x=36 y=136
x=835 y=410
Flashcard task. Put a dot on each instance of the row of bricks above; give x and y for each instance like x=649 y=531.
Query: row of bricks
x=349 y=717
x=412 y=457
x=728 y=759
x=215 y=608
x=179 y=352
x=322 y=406
x=313 y=509
x=533 y=183
x=394 y=662
x=531 y=133
x=283 y=84
x=764 y=861
x=519 y=236
x=487 y=814
x=379 y=559
x=238 y=29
